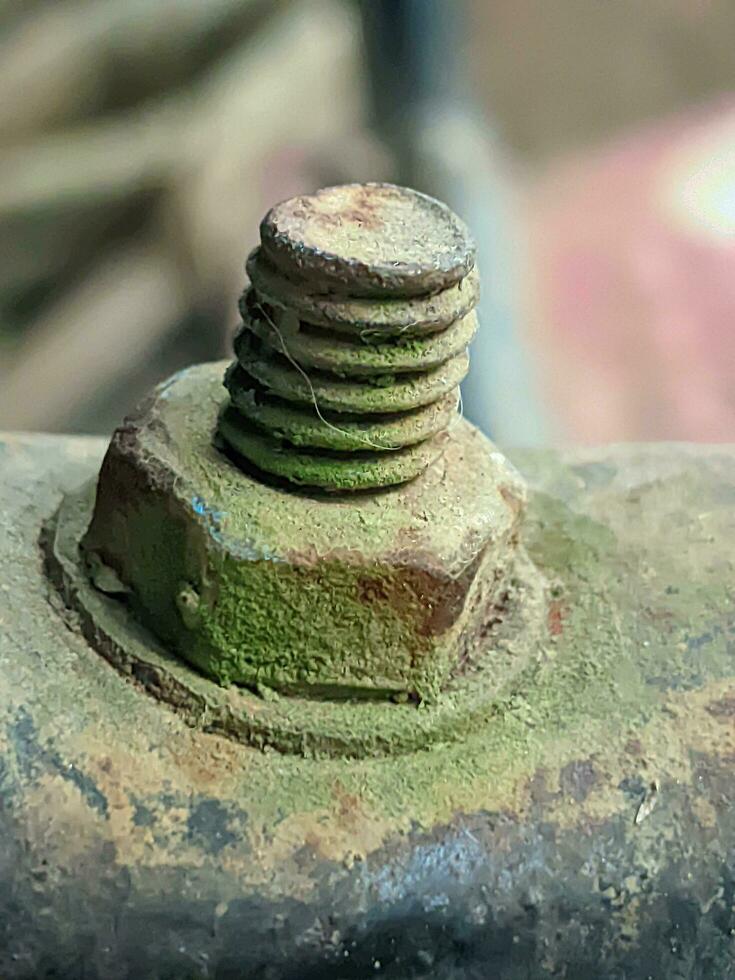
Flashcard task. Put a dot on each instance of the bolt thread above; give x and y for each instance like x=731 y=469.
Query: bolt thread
x=339 y=392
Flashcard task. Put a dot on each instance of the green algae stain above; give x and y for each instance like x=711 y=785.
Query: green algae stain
x=641 y=604
x=254 y=619
x=591 y=689
x=296 y=628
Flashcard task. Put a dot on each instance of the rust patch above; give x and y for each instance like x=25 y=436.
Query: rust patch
x=555 y=617
x=371 y=590
x=346 y=833
x=368 y=239
x=349 y=805
x=359 y=206
x=432 y=603
x=538 y=788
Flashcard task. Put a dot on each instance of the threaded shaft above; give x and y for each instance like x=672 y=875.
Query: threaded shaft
x=354 y=338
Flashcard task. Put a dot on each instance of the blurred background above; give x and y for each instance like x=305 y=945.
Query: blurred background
x=590 y=144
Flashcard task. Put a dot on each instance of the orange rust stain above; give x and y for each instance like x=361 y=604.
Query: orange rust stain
x=432 y=603
x=349 y=806
x=555 y=617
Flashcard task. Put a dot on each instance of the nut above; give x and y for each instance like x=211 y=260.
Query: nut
x=323 y=595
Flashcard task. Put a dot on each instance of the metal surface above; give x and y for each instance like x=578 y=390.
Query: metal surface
x=354 y=248
x=370 y=320
x=326 y=595
x=302 y=427
x=368 y=240
x=352 y=395
x=367 y=358
x=586 y=829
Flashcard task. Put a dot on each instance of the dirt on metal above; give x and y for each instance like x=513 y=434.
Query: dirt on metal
x=380 y=394
x=370 y=319
x=314 y=348
x=587 y=821
x=298 y=425
x=367 y=240
x=372 y=595
x=398 y=256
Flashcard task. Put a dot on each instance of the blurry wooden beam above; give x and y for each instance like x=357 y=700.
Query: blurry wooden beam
x=55 y=60
x=207 y=151
x=259 y=93
x=131 y=299
x=296 y=92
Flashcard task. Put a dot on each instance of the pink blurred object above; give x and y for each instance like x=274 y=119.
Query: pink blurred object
x=634 y=252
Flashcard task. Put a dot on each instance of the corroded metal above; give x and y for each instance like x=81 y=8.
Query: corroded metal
x=315 y=348
x=585 y=827
x=342 y=727
x=345 y=472
x=383 y=395
x=371 y=596
x=394 y=316
x=299 y=425
x=368 y=240
x=323 y=597
x=343 y=319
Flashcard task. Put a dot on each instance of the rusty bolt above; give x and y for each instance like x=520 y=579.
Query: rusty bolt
x=324 y=596
x=359 y=398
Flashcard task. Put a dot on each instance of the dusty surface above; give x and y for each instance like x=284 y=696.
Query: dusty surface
x=313 y=348
x=403 y=393
x=368 y=239
x=368 y=317
x=586 y=828
x=351 y=241
x=374 y=594
x=300 y=425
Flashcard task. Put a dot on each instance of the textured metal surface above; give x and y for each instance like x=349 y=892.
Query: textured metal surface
x=345 y=356
x=588 y=830
x=365 y=470
x=313 y=727
x=371 y=321
x=331 y=392
x=374 y=595
x=301 y=426
x=325 y=253
x=368 y=240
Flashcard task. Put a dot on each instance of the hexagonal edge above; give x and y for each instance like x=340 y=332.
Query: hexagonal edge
x=313 y=729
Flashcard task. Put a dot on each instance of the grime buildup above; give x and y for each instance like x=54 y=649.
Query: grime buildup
x=354 y=338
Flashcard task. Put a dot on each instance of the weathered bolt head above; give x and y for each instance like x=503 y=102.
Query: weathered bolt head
x=343 y=595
